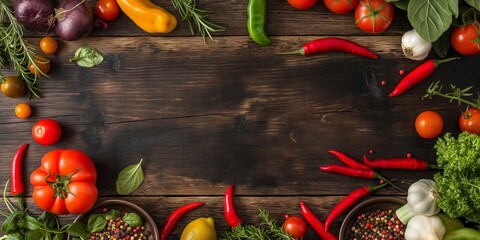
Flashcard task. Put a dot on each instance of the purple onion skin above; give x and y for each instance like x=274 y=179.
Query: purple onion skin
x=77 y=22
x=33 y=14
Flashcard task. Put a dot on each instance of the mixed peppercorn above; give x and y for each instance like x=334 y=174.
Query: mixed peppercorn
x=117 y=229
x=379 y=224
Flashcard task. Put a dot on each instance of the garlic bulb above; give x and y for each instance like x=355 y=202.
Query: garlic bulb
x=414 y=47
x=425 y=228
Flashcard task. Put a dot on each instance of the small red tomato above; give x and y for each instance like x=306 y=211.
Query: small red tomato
x=46 y=132
x=295 y=227
x=464 y=39
x=429 y=124
x=470 y=121
x=374 y=16
x=302 y=4
x=107 y=10
x=340 y=6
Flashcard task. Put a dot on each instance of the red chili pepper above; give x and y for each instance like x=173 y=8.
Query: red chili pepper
x=315 y=223
x=16 y=178
x=229 y=209
x=175 y=216
x=418 y=75
x=349 y=201
x=348 y=160
x=399 y=163
x=359 y=173
x=333 y=44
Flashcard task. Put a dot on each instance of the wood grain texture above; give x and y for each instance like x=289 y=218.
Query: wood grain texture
x=204 y=116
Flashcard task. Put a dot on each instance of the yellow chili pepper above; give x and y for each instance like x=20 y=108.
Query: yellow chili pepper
x=148 y=16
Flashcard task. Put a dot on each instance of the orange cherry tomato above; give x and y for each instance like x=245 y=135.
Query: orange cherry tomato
x=23 y=110
x=13 y=87
x=43 y=64
x=429 y=124
x=48 y=45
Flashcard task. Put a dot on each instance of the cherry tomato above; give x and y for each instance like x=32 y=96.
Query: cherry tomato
x=23 y=110
x=107 y=10
x=465 y=39
x=13 y=86
x=302 y=4
x=374 y=16
x=48 y=45
x=43 y=64
x=295 y=227
x=429 y=124
x=340 y=6
x=46 y=132
x=470 y=121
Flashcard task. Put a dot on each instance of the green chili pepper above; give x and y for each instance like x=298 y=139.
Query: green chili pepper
x=257 y=11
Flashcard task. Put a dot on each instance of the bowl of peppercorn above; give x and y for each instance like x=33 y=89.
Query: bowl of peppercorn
x=374 y=218
x=116 y=219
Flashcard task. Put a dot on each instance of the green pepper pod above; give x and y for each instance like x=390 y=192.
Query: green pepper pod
x=463 y=234
x=257 y=16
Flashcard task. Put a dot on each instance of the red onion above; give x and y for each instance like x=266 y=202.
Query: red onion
x=75 y=19
x=33 y=14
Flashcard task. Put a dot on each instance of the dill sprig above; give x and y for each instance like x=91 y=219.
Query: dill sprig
x=268 y=230
x=194 y=16
x=457 y=94
x=16 y=49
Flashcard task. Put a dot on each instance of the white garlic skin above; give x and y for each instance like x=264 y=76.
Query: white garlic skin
x=414 y=47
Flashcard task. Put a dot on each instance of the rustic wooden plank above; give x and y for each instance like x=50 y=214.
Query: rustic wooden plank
x=282 y=20
x=247 y=208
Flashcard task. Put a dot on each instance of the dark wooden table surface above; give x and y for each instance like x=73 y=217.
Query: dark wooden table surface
x=231 y=112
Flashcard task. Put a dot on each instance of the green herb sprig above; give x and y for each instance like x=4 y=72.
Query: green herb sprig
x=268 y=230
x=198 y=17
x=130 y=178
x=16 y=49
x=457 y=94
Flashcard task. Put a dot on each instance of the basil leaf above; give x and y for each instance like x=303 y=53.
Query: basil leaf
x=402 y=4
x=130 y=178
x=11 y=223
x=430 y=17
x=87 y=57
x=14 y=236
x=96 y=223
x=31 y=223
x=48 y=220
x=474 y=3
x=112 y=214
x=58 y=236
x=454 y=7
x=133 y=219
x=34 y=235
x=77 y=229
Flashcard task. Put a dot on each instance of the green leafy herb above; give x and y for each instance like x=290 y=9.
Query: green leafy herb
x=195 y=16
x=130 y=178
x=268 y=230
x=443 y=43
x=459 y=183
x=132 y=219
x=474 y=3
x=96 y=223
x=402 y=4
x=15 y=49
x=112 y=214
x=457 y=94
x=430 y=17
x=78 y=230
x=87 y=57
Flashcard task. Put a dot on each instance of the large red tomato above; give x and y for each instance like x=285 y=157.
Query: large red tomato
x=470 y=121
x=374 y=16
x=65 y=182
x=465 y=39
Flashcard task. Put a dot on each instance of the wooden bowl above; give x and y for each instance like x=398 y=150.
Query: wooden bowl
x=371 y=204
x=122 y=206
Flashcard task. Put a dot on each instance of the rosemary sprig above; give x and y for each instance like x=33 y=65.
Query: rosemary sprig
x=14 y=47
x=194 y=16
x=457 y=94
x=268 y=230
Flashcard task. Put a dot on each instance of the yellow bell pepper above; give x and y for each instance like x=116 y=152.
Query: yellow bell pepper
x=148 y=16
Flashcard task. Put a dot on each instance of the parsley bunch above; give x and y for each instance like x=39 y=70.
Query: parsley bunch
x=459 y=183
